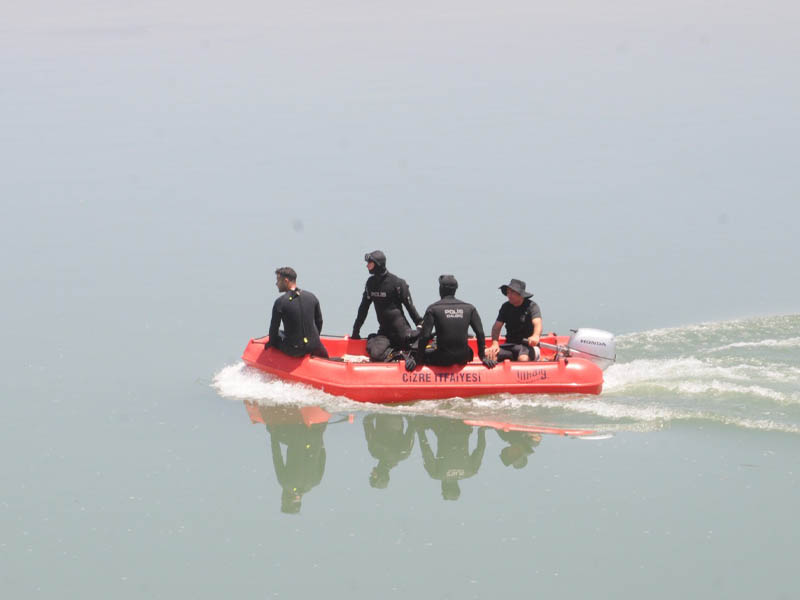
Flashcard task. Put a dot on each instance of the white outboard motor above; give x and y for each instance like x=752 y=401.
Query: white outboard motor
x=595 y=345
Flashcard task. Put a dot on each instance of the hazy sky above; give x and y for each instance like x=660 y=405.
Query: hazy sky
x=635 y=163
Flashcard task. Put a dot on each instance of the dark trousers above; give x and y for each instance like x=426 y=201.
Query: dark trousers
x=443 y=357
x=383 y=349
x=314 y=350
x=513 y=351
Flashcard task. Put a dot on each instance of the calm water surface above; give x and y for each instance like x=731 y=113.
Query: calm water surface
x=634 y=164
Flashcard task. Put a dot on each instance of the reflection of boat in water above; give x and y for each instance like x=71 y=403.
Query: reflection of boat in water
x=520 y=427
x=451 y=449
x=390 y=382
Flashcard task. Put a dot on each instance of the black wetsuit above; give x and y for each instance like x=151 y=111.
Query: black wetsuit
x=451 y=319
x=390 y=294
x=302 y=322
x=519 y=327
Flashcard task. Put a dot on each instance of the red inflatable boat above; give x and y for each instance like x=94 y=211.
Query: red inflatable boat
x=383 y=383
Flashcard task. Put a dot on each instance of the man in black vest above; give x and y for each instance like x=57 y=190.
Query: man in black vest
x=523 y=321
x=302 y=318
x=390 y=294
x=450 y=318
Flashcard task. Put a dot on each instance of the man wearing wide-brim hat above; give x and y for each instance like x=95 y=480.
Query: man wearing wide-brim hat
x=523 y=320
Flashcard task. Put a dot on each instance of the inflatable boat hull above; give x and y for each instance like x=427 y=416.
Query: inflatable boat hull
x=384 y=383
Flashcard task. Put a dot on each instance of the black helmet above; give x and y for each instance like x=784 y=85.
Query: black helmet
x=448 y=285
x=378 y=257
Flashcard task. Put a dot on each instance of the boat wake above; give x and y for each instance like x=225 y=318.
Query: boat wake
x=739 y=373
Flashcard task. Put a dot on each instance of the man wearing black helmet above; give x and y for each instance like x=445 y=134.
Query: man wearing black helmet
x=390 y=294
x=451 y=318
x=523 y=321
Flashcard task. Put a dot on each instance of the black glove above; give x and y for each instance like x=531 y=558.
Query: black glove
x=490 y=364
x=355 y=336
x=411 y=364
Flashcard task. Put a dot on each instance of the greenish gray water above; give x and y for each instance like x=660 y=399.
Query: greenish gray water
x=159 y=161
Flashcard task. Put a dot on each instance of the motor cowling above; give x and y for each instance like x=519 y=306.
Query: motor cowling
x=595 y=345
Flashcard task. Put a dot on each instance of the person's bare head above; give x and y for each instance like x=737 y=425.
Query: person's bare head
x=285 y=279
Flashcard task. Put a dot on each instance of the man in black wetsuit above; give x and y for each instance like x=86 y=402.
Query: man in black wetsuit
x=451 y=318
x=390 y=294
x=523 y=321
x=302 y=318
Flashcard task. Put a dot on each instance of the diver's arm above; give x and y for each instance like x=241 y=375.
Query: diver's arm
x=425 y=336
x=363 y=310
x=318 y=317
x=274 y=325
x=405 y=297
x=480 y=337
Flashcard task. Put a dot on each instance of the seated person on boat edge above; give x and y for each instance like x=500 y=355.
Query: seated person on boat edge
x=450 y=318
x=389 y=293
x=523 y=320
x=301 y=315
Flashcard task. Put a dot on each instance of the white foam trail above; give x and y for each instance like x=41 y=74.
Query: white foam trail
x=649 y=371
x=739 y=331
x=695 y=377
x=758 y=424
x=768 y=372
x=612 y=410
x=626 y=386
x=240 y=382
x=721 y=388
x=653 y=414
x=768 y=343
x=670 y=333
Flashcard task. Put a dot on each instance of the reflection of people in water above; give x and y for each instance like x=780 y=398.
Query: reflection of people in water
x=388 y=443
x=520 y=446
x=453 y=460
x=303 y=465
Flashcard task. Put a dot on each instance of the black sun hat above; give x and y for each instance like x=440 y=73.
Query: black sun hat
x=518 y=286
